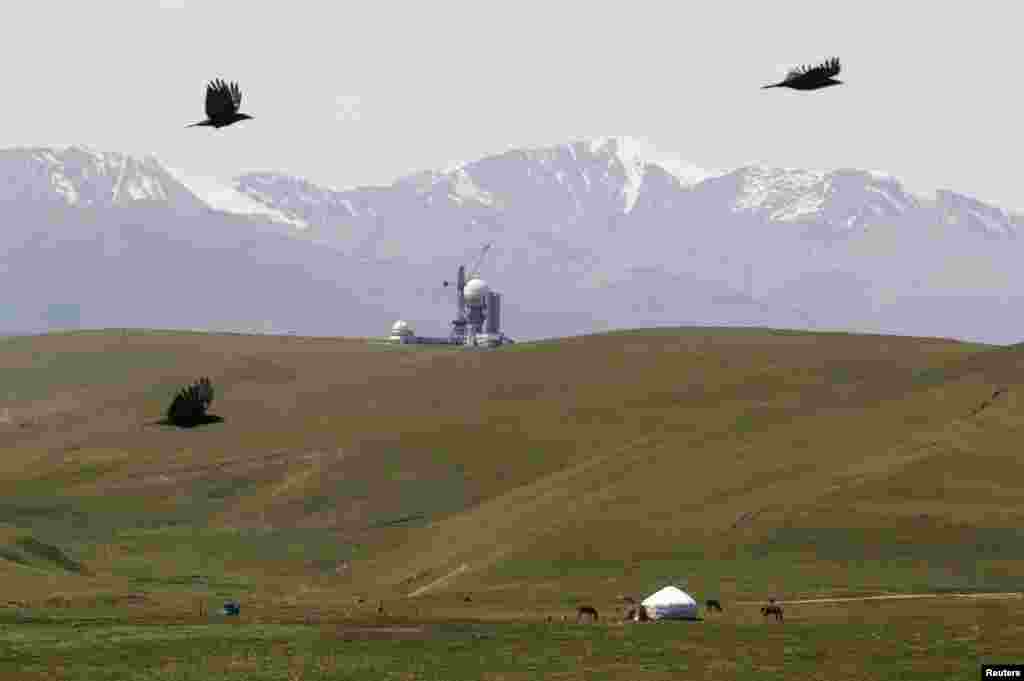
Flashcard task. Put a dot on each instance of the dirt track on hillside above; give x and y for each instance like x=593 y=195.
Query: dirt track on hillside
x=892 y=597
x=438 y=582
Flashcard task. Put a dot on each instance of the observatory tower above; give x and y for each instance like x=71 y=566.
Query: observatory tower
x=477 y=320
x=478 y=309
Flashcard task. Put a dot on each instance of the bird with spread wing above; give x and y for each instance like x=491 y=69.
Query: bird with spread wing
x=808 y=78
x=222 y=102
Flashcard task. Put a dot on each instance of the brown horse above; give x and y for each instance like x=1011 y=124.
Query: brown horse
x=586 y=610
x=638 y=613
x=773 y=610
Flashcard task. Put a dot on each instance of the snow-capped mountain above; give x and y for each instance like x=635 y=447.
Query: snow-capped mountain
x=84 y=177
x=613 y=169
x=614 y=175
x=588 y=235
x=79 y=176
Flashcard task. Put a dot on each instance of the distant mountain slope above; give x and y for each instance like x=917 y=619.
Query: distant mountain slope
x=846 y=249
x=588 y=235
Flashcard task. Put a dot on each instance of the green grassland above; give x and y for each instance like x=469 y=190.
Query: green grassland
x=735 y=463
x=863 y=641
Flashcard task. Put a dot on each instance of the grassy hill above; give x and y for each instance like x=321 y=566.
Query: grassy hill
x=737 y=463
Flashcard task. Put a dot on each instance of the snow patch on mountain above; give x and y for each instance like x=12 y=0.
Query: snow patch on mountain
x=297 y=199
x=990 y=221
x=784 y=194
x=453 y=166
x=845 y=198
x=633 y=155
x=465 y=189
x=223 y=196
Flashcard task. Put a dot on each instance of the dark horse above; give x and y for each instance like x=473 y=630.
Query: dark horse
x=712 y=604
x=773 y=610
x=585 y=610
x=638 y=613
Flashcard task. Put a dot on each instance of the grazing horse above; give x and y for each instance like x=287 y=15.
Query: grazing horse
x=772 y=610
x=586 y=610
x=713 y=604
x=638 y=613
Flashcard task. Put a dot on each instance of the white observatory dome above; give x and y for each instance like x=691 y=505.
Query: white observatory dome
x=400 y=326
x=475 y=291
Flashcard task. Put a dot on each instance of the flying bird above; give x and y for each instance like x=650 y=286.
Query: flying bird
x=808 y=78
x=222 y=102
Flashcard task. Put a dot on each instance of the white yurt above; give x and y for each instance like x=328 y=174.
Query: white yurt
x=670 y=603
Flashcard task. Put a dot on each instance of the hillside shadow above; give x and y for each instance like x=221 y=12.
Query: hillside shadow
x=204 y=420
x=27 y=550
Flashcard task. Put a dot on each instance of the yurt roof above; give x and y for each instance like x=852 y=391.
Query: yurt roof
x=668 y=596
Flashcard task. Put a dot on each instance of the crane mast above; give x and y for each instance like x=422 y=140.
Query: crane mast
x=474 y=270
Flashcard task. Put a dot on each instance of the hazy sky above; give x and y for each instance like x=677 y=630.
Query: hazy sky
x=362 y=93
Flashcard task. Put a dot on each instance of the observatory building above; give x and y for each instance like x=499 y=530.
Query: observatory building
x=477 y=320
x=401 y=332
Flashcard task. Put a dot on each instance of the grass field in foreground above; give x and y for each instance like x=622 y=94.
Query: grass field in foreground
x=887 y=640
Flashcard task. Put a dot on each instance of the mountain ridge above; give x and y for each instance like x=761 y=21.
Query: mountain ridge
x=589 y=236
x=634 y=156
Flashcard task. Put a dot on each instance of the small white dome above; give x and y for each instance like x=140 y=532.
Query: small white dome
x=400 y=326
x=475 y=291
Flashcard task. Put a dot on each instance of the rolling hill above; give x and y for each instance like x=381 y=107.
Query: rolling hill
x=738 y=462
